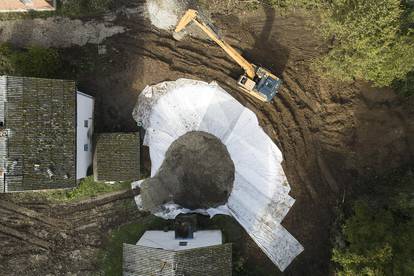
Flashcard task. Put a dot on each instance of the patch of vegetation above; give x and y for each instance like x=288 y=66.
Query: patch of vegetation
x=377 y=235
x=86 y=189
x=81 y=8
x=25 y=15
x=33 y=61
x=405 y=87
x=111 y=256
x=371 y=40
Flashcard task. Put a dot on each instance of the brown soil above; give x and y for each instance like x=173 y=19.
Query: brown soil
x=38 y=237
x=331 y=134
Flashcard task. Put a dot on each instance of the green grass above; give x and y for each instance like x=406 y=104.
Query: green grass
x=82 y=8
x=86 y=189
x=111 y=256
x=33 y=61
x=26 y=15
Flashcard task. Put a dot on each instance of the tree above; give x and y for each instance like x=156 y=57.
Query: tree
x=379 y=234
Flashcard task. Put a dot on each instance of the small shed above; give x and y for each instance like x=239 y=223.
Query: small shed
x=117 y=157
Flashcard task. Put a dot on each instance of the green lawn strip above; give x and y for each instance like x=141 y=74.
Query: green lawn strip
x=86 y=189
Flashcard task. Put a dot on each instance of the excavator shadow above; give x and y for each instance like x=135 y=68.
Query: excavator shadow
x=267 y=51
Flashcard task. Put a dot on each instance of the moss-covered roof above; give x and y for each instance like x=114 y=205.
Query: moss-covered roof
x=39 y=118
x=117 y=157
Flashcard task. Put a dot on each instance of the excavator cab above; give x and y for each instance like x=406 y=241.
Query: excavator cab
x=256 y=81
x=264 y=85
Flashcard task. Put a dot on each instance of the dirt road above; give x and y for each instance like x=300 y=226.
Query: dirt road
x=331 y=134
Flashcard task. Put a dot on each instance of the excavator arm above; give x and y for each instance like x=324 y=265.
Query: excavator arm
x=192 y=15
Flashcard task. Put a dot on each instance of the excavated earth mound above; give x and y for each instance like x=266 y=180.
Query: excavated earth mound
x=196 y=173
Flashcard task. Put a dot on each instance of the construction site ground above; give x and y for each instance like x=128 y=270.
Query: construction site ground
x=332 y=136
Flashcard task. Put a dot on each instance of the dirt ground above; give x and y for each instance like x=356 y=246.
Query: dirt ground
x=332 y=134
x=41 y=238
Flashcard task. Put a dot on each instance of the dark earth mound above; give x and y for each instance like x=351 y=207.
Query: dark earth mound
x=197 y=172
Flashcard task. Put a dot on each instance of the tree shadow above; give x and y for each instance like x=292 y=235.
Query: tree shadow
x=267 y=51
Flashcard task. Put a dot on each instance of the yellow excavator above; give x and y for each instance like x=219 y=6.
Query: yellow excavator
x=256 y=81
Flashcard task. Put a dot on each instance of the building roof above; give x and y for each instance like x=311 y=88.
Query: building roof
x=25 y=5
x=206 y=261
x=117 y=157
x=38 y=140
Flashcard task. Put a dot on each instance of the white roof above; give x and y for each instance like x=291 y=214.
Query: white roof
x=166 y=240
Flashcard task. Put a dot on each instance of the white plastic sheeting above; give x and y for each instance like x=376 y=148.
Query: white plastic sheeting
x=259 y=200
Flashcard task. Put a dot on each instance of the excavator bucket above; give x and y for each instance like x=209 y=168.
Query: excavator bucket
x=186 y=19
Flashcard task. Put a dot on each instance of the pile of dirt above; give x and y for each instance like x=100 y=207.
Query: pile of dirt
x=197 y=172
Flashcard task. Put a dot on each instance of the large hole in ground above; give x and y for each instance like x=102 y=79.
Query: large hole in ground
x=197 y=172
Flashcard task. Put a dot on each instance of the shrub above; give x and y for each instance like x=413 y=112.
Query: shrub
x=379 y=234
x=373 y=40
x=79 y=8
x=31 y=62
x=37 y=62
x=370 y=43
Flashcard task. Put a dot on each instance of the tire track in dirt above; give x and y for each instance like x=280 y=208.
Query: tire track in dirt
x=72 y=233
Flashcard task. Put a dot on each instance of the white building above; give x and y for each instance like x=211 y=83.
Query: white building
x=84 y=133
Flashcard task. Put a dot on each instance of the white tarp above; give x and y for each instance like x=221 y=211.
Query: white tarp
x=260 y=197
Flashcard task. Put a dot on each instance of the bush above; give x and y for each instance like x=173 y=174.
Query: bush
x=379 y=234
x=31 y=62
x=79 y=8
x=37 y=62
x=371 y=42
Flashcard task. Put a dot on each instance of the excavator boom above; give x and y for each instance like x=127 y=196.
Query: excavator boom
x=185 y=20
x=191 y=15
x=257 y=81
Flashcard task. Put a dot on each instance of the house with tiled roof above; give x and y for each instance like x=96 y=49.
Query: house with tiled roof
x=46 y=129
x=27 y=5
